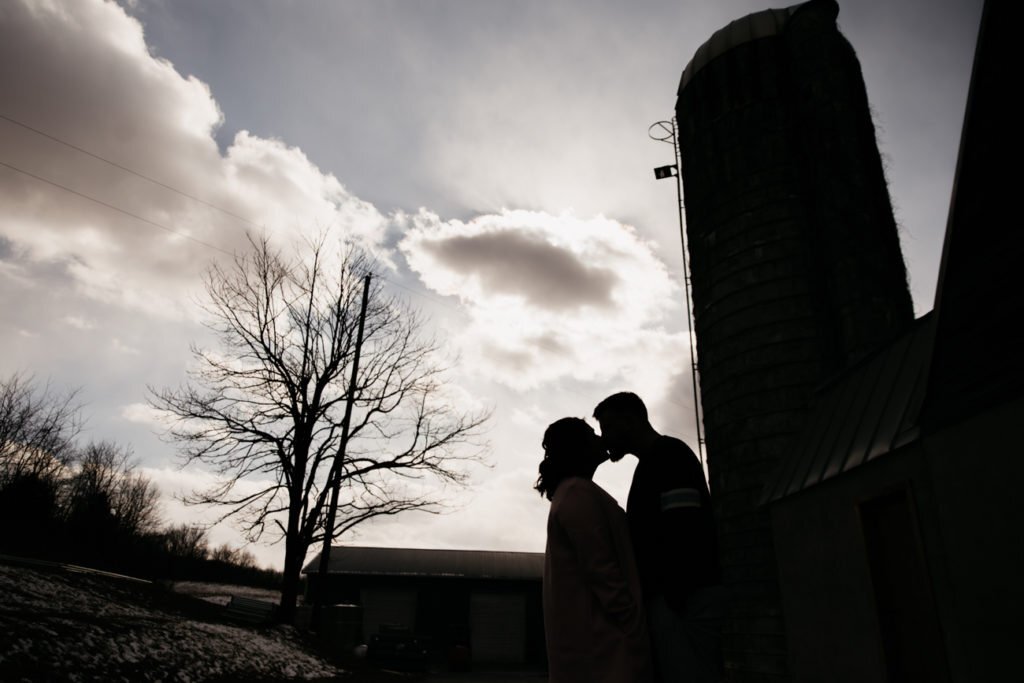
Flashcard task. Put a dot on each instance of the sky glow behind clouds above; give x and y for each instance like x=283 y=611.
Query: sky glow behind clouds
x=548 y=296
x=491 y=155
x=95 y=85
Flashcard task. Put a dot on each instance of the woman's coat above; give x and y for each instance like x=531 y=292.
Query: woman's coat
x=593 y=612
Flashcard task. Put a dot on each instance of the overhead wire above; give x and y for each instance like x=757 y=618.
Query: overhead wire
x=126 y=169
x=143 y=176
x=114 y=208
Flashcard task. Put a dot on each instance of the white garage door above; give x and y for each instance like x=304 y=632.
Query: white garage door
x=498 y=627
x=387 y=607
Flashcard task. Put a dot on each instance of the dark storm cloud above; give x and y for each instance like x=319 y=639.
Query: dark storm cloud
x=510 y=262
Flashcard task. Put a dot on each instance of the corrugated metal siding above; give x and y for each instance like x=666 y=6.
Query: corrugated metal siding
x=479 y=564
x=872 y=410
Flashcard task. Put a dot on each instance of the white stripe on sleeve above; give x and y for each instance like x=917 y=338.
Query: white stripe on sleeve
x=680 y=498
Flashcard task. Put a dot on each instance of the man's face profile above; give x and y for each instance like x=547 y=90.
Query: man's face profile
x=613 y=436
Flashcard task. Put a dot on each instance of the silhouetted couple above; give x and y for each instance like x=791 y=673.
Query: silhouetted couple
x=630 y=597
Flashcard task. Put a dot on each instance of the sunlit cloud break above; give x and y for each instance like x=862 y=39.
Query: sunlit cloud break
x=549 y=296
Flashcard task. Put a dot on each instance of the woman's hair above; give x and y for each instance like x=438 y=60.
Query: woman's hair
x=564 y=454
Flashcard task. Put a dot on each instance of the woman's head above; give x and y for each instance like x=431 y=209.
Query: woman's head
x=571 y=449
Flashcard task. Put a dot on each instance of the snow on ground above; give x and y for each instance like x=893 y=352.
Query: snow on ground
x=64 y=626
x=220 y=593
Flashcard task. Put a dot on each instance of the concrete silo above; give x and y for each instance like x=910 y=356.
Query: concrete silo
x=795 y=265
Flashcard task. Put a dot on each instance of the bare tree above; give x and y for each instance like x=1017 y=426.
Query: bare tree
x=106 y=483
x=266 y=412
x=186 y=541
x=37 y=430
x=236 y=556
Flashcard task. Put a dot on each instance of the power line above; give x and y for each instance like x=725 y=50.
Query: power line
x=115 y=208
x=166 y=186
x=287 y=304
x=417 y=292
x=126 y=169
x=137 y=217
x=140 y=175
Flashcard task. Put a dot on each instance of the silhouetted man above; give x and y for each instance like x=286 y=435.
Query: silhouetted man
x=673 y=534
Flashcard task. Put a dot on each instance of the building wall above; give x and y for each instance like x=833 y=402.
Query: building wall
x=833 y=605
x=444 y=608
x=976 y=471
x=964 y=484
x=796 y=272
x=975 y=404
x=978 y=357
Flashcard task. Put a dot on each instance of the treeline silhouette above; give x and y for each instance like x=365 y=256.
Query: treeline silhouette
x=89 y=505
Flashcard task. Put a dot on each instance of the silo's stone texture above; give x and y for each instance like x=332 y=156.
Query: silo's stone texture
x=796 y=270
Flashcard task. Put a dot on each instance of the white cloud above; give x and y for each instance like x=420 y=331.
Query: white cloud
x=501 y=512
x=174 y=484
x=552 y=296
x=123 y=348
x=95 y=84
x=143 y=413
x=577 y=307
x=460 y=399
x=78 y=322
x=527 y=416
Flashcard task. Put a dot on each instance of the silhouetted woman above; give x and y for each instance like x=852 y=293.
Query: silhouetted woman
x=593 y=614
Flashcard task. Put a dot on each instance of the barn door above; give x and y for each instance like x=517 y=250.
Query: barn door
x=498 y=628
x=908 y=623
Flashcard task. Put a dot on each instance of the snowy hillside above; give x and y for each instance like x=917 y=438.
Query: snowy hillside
x=77 y=627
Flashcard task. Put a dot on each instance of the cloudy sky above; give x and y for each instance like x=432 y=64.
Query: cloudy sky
x=492 y=153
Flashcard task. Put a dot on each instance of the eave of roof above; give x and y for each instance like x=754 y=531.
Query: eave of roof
x=871 y=410
x=477 y=564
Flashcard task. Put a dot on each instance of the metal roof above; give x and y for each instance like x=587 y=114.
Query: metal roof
x=872 y=409
x=744 y=30
x=475 y=564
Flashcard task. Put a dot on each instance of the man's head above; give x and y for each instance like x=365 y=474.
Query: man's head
x=623 y=420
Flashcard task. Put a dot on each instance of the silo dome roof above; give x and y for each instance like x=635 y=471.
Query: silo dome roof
x=751 y=27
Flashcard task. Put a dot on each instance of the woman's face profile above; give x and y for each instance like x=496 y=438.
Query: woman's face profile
x=593 y=448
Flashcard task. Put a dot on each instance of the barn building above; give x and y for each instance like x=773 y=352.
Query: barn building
x=487 y=601
x=894 y=522
x=864 y=465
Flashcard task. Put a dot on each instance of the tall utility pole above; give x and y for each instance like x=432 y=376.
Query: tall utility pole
x=665 y=131
x=334 y=479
